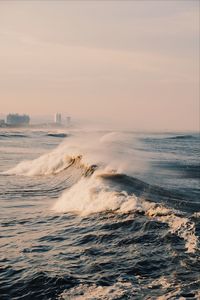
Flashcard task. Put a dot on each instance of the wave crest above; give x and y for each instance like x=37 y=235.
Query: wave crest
x=50 y=164
x=91 y=195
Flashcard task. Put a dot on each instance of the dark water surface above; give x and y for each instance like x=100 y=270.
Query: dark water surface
x=102 y=249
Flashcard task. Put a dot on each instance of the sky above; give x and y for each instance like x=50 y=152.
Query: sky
x=133 y=64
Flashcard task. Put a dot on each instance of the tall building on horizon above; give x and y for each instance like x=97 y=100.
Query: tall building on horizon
x=58 y=118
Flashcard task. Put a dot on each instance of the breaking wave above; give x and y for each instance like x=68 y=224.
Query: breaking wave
x=109 y=150
x=106 y=184
x=48 y=164
x=91 y=195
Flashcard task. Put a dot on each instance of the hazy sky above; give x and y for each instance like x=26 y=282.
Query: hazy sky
x=133 y=63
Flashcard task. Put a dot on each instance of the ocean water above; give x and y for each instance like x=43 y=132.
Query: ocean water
x=99 y=215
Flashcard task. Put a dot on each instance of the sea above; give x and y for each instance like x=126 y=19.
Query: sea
x=99 y=214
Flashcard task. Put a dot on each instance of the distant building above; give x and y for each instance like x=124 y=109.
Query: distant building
x=15 y=119
x=58 y=118
x=2 y=122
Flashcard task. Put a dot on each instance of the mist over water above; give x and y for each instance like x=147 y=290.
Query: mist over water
x=99 y=215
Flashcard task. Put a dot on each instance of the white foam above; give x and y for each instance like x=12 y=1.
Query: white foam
x=127 y=290
x=91 y=195
x=179 y=225
x=94 y=292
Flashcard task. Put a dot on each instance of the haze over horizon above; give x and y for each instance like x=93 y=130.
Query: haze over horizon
x=128 y=63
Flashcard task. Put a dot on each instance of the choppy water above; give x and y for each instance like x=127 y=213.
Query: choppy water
x=99 y=215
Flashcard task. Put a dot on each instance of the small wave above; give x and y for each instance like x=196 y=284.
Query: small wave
x=12 y=135
x=181 y=137
x=59 y=135
x=185 y=169
x=29 y=285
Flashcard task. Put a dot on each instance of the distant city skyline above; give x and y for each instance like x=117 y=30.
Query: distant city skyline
x=130 y=64
x=36 y=117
